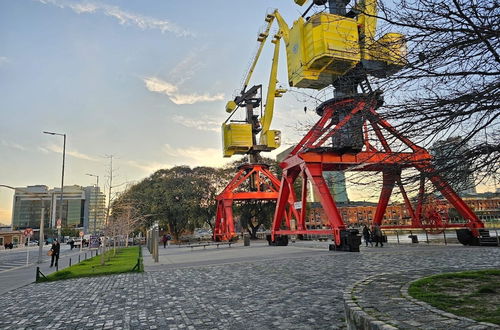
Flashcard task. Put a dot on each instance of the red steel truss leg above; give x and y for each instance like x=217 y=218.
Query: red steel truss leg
x=315 y=173
x=408 y=205
x=474 y=223
x=286 y=190
x=389 y=178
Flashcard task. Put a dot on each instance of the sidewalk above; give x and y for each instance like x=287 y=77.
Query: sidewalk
x=382 y=302
x=21 y=276
x=175 y=256
x=256 y=287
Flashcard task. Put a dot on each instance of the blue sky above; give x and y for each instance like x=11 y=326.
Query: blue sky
x=145 y=81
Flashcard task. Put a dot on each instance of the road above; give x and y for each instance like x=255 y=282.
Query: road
x=14 y=273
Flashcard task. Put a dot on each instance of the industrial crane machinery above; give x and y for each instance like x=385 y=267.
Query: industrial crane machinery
x=338 y=48
x=254 y=180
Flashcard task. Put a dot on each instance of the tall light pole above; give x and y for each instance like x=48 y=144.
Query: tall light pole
x=62 y=183
x=41 y=234
x=95 y=203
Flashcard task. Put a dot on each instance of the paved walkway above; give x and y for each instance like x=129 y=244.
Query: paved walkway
x=384 y=298
x=20 y=276
x=257 y=287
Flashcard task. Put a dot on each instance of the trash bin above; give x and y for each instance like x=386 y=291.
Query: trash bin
x=414 y=238
x=246 y=240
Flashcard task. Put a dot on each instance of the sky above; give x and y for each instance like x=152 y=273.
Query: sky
x=144 y=81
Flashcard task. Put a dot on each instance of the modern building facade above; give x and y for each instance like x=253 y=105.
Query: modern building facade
x=81 y=206
x=449 y=161
x=95 y=209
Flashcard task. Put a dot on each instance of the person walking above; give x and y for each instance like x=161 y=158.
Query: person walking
x=367 y=235
x=56 y=248
x=164 y=239
x=377 y=233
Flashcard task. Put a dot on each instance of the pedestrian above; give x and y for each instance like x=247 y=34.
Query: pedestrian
x=56 y=248
x=377 y=233
x=367 y=235
x=164 y=239
x=72 y=244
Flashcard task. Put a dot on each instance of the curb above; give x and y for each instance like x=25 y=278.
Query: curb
x=357 y=318
x=406 y=295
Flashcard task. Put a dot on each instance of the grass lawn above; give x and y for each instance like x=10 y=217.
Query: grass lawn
x=123 y=262
x=472 y=294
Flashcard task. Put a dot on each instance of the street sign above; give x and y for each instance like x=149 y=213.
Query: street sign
x=28 y=232
x=94 y=241
x=82 y=233
x=297 y=205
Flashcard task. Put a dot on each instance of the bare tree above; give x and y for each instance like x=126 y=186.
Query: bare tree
x=450 y=88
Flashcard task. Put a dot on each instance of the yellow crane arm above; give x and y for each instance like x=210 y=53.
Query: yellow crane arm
x=268 y=137
x=262 y=40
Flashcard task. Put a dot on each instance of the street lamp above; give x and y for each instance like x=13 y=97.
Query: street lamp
x=95 y=203
x=41 y=234
x=62 y=183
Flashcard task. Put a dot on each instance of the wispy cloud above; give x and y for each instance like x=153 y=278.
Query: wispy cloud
x=12 y=145
x=201 y=124
x=191 y=156
x=148 y=167
x=72 y=153
x=156 y=85
x=4 y=60
x=195 y=156
x=187 y=68
x=122 y=16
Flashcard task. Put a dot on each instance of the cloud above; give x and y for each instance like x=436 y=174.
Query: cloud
x=12 y=145
x=123 y=17
x=202 y=124
x=186 y=69
x=195 y=156
x=156 y=85
x=4 y=60
x=191 y=156
x=72 y=153
x=148 y=167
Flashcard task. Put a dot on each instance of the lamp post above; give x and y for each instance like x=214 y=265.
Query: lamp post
x=41 y=235
x=95 y=203
x=62 y=183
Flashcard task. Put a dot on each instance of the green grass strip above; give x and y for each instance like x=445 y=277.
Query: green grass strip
x=123 y=261
x=472 y=294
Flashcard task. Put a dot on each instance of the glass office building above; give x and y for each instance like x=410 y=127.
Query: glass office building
x=76 y=204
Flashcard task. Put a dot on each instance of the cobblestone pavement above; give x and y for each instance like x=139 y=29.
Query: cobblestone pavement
x=303 y=292
x=385 y=297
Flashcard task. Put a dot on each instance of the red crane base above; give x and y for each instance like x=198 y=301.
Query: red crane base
x=252 y=181
x=310 y=158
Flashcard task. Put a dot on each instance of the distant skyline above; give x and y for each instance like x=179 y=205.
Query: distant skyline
x=145 y=81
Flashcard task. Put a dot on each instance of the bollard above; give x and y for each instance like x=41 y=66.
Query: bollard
x=498 y=238
x=70 y=262
x=427 y=237
x=397 y=236
x=444 y=235
x=85 y=255
x=57 y=265
x=78 y=258
x=37 y=274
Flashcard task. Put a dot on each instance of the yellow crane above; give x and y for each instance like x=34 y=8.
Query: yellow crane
x=336 y=48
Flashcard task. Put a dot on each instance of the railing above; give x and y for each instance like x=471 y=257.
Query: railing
x=39 y=274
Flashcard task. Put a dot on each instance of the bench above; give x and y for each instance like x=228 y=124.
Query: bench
x=205 y=245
